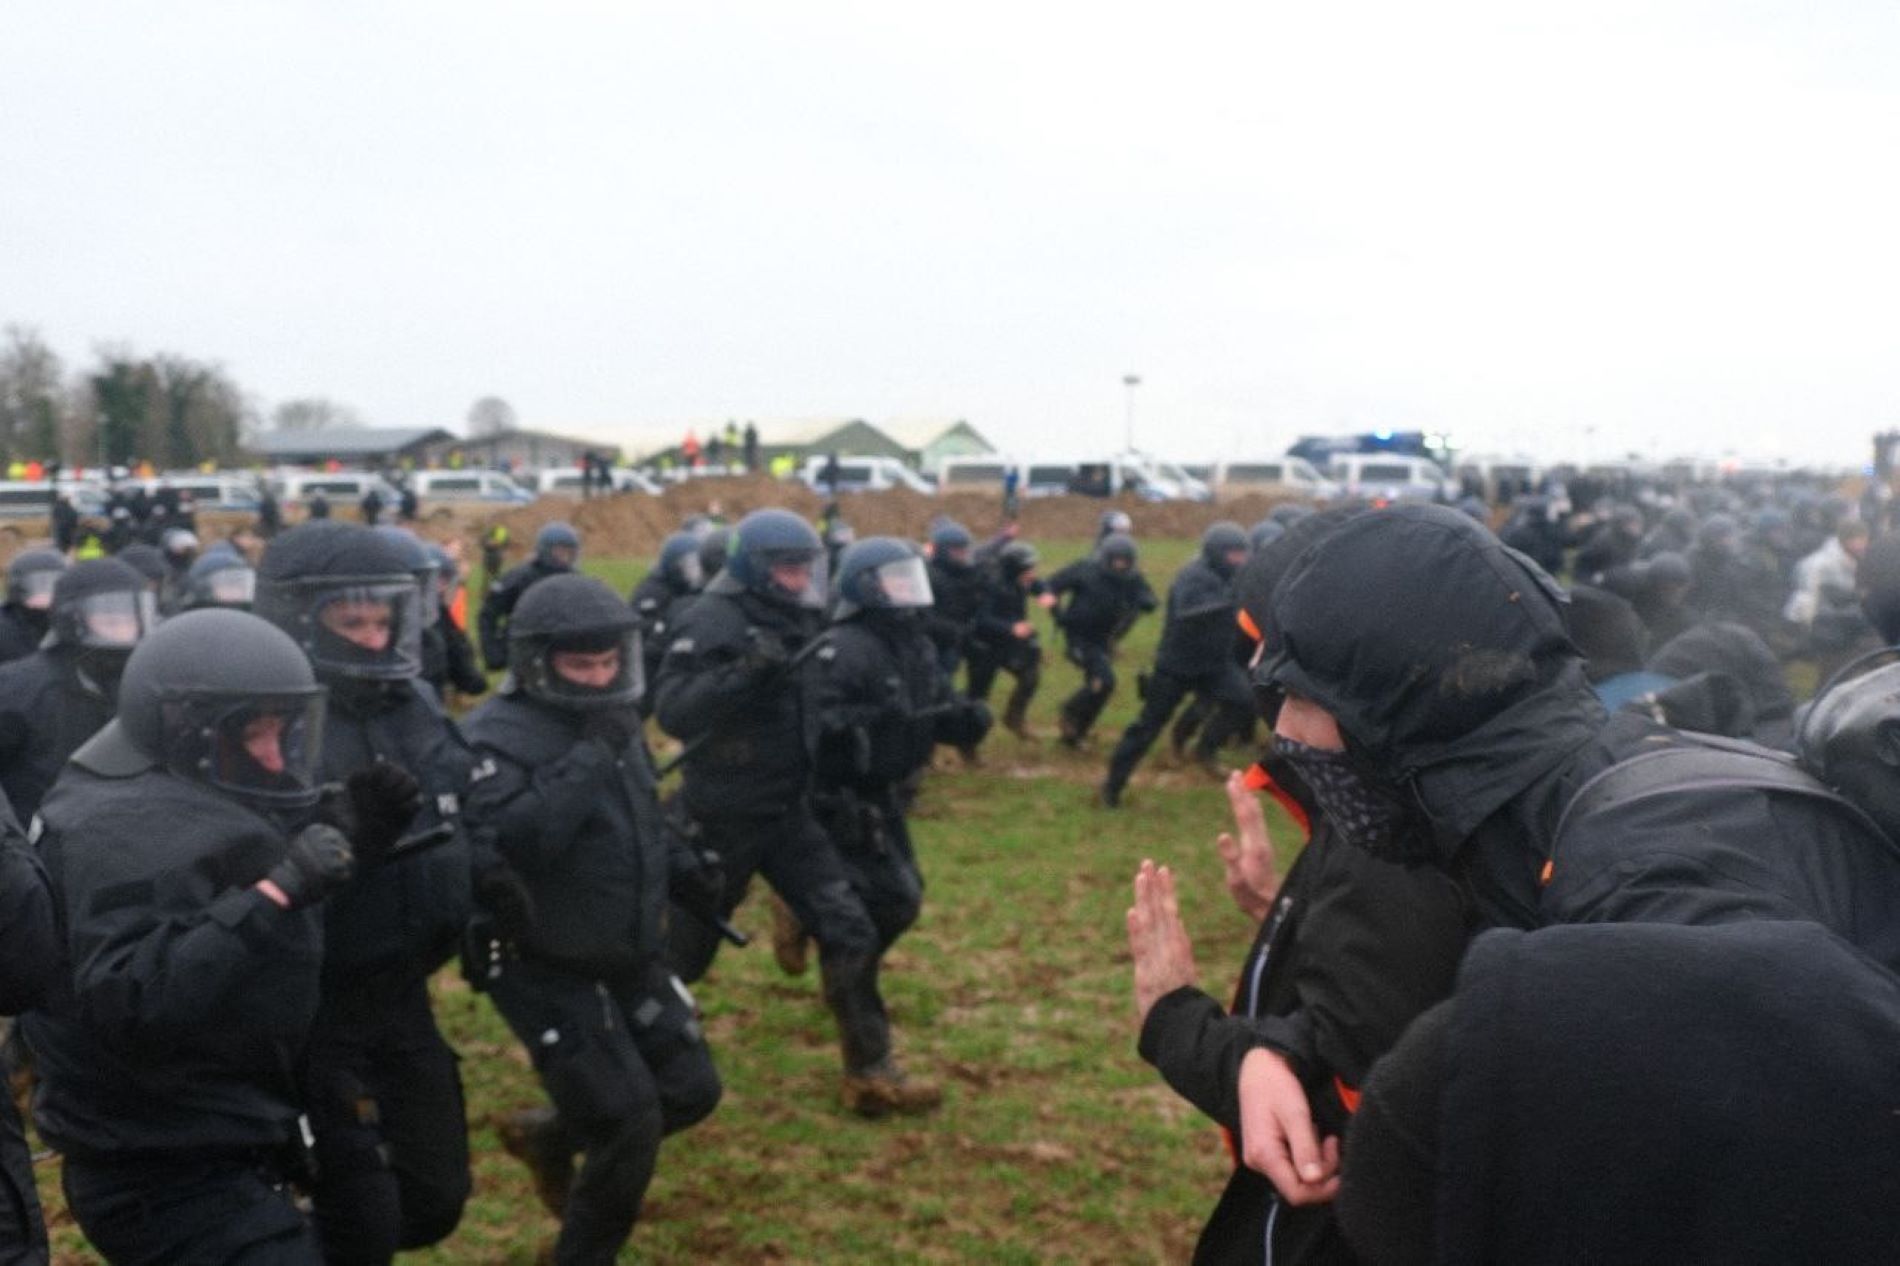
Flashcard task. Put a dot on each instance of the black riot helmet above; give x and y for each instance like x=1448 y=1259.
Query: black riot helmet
x=1016 y=560
x=1220 y=543
x=101 y=608
x=422 y=565
x=713 y=548
x=557 y=545
x=778 y=556
x=1263 y=534
x=223 y=698
x=1117 y=552
x=679 y=562
x=147 y=560
x=572 y=643
x=1112 y=522
x=1850 y=739
x=347 y=596
x=950 y=543
x=220 y=578
x=30 y=578
x=881 y=573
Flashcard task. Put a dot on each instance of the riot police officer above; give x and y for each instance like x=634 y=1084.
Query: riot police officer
x=731 y=688
x=567 y=791
x=657 y=600
x=381 y=1086
x=29 y=603
x=186 y=884
x=1106 y=592
x=957 y=587
x=882 y=705
x=1196 y=654
x=1003 y=638
x=30 y=959
x=557 y=549
x=61 y=695
x=448 y=657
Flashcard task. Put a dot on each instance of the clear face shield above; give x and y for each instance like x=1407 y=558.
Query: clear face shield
x=266 y=750
x=904 y=582
x=587 y=673
x=430 y=594
x=797 y=577
x=369 y=629
x=110 y=622
x=692 y=572
x=229 y=587
x=35 y=590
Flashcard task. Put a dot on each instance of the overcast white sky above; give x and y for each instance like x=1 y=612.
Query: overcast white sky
x=1664 y=225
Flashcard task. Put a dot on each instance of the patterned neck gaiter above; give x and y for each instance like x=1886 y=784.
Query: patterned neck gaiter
x=1367 y=816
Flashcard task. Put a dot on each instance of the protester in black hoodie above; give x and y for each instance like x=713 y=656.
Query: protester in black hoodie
x=1638 y=1093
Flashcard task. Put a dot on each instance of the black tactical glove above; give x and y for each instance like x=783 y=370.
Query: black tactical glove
x=507 y=900
x=699 y=888
x=766 y=652
x=614 y=727
x=373 y=807
x=316 y=864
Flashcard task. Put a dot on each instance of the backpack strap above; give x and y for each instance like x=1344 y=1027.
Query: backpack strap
x=1707 y=763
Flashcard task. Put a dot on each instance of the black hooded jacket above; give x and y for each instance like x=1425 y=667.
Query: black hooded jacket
x=1443 y=657
x=1639 y=1094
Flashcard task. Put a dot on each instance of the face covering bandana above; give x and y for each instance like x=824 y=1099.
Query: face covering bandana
x=1366 y=816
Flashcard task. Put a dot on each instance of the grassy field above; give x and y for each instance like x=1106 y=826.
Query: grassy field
x=1055 y=1143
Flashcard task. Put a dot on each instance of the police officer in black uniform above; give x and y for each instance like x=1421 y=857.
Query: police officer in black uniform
x=1003 y=638
x=186 y=876
x=731 y=686
x=557 y=549
x=30 y=959
x=60 y=696
x=957 y=587
x=566 y=788
x=660 y=596
x=882 y=706
x=448 y=657
x=1106 y=592
x=29 y=604
x=381 y=1086
x=1196 y=654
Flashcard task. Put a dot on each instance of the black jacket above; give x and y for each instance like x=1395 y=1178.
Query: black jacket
x=659 y=603
x=881 y=702
x=758 y=715
x=448 y=658
x=956 y=590
x=189 y=991
x=399 y=922
x=1002 y=604
x=1199 y=634
x=499 y=604
x=1633 y=1093
x=47 y=709
x=1352 y=951
x=580 y=824
x=20 y=635
x=1102 y=602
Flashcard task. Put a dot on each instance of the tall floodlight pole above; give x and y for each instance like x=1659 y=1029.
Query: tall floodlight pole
x=1130 y=381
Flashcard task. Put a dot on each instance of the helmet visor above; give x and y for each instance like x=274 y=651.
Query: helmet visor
x=797 y=576
x=264 y=749
x=692 y=572
x=231 y=587
x=583 y=672
x=109 y=621
x=904 y=583
x=35 y=589
x=369 y=629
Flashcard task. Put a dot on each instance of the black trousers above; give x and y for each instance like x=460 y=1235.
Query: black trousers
x=181 y=1209
x=1022 y=661
x=1233 y=706
x=1081 y=709
x=799 y=860
x=384 y=1096
x=625 y=1064
x=22 y=1226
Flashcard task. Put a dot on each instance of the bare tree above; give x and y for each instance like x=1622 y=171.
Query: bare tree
x=312 y=413
x=490 y=415
x=33 y=403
